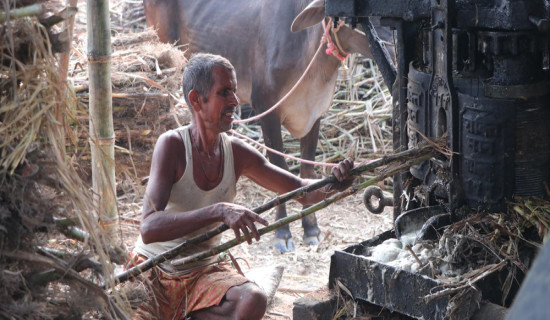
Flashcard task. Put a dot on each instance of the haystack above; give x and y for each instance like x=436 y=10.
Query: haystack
x=44 y=192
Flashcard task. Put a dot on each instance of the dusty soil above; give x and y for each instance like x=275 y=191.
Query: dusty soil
x=306 y=269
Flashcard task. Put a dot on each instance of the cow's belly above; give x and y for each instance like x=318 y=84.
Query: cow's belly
x=299 y=122
x=300 y=111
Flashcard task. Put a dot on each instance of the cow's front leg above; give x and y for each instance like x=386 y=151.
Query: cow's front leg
x=271 y=129
x=308 y=147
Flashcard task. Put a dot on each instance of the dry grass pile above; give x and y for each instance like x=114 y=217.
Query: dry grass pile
x=127 y=16
x=38 y=186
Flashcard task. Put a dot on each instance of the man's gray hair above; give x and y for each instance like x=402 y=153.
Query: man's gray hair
x=197 y=74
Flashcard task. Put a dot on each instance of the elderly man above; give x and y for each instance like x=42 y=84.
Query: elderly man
x=191 y=187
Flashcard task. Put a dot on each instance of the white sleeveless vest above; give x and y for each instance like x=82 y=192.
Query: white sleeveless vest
x=186 y=196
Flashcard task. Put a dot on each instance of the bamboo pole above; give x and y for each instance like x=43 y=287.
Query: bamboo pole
x=102 y=138
x=422 y=153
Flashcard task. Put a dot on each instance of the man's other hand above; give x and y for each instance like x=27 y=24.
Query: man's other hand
x=342 y=172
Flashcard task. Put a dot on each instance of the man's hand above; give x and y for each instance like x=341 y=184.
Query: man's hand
x=239 y=219
x=343 y=174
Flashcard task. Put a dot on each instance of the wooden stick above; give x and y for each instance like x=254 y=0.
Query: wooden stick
x=423 y=154
x=414 y=256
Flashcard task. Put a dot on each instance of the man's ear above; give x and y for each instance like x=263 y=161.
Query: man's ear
x=195 y=99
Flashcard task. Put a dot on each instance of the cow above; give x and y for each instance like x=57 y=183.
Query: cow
x=269 y=58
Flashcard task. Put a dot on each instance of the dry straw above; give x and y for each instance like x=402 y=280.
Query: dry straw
x=38 y=181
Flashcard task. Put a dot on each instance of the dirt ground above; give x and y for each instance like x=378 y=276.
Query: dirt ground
x=307 y=268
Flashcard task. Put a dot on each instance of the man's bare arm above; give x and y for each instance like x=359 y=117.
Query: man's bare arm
x=256 y=167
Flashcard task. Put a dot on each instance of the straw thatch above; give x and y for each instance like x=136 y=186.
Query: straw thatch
x=38 y=185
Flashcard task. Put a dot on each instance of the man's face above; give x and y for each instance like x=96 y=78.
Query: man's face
x=219 y=109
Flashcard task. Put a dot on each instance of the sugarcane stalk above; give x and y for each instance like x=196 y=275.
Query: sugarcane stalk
x=65 y=222
x=54 y=252
x=32 y=10
x=40 y=279
x=75 y=233
x=316 y=207
x=66 y=226
x=415 y=155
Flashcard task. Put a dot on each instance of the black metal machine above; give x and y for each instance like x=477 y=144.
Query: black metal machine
x=476 y=72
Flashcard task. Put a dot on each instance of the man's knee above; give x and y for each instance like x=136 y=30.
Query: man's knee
x=252 y=303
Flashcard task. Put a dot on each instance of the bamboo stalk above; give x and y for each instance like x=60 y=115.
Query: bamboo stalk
x=102 y=139
x=408 y=155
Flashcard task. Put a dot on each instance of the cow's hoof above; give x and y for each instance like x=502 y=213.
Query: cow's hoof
x=311 y=240
x=284 y=245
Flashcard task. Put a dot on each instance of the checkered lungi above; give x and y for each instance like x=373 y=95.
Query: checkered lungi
x=174 y=297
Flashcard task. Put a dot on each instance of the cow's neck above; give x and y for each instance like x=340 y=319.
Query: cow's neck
x=313 y=95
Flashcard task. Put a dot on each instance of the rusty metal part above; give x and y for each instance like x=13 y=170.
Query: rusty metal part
x=374 y=200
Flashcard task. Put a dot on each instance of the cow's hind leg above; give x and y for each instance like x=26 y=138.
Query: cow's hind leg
x=271 y=129
x=308 y=147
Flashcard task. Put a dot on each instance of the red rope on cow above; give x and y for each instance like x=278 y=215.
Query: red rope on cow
x=282 y=154
x=333 y=49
